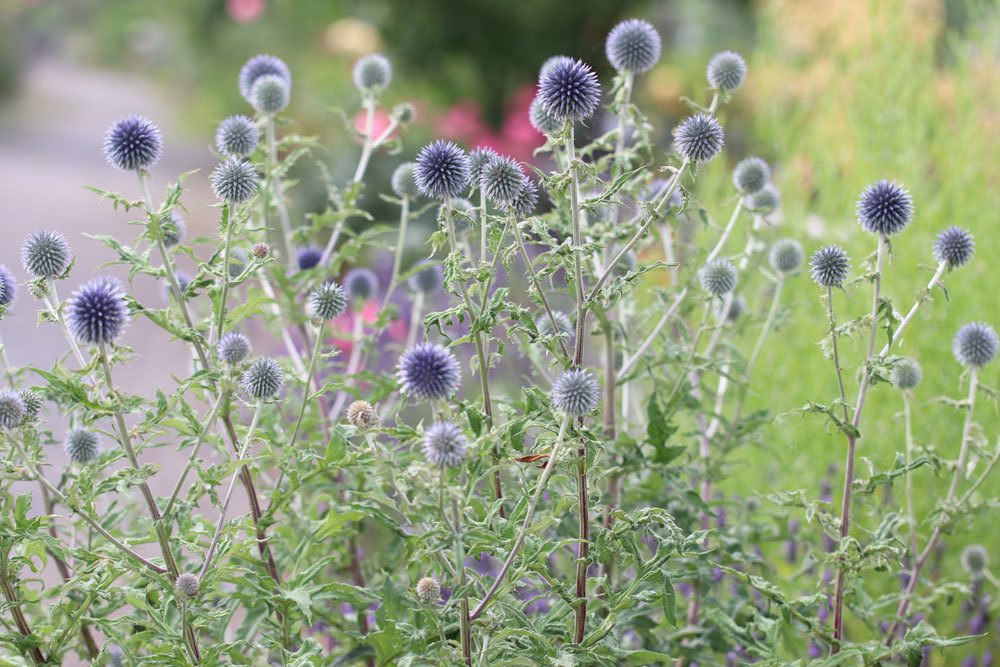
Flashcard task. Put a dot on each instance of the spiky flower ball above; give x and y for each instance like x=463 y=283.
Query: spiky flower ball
x=234 y=181
x=372 y=73
x=751 y=174
x=575 y=392
x=444 y=444
x=563 y=323
x=885 y=207
x=187 y=584
x=237 y=136
x=525 y=200
x=132 y=143
x=975 y=559
x=975 y=344
x=258 y=66
x=173 y=229
x=551 y=62
x=96 y=313
x=428 y=371
x=442 y=170
x=428 y=279
x=479 y=159
x=82 y=445
x=954 y=246
x=32 y=404
x=428 y=590
x=270 y=94
x=8 y=286
x=906 y=374
x=260 y=250
x=361 y=284
x=633 y=46
x=12 y=409
x=501 y=180
x=830 y=266
x=234 y=347
x=328 y=301
x=263 y=379
x=699 y=138
x=362 y=415
x=786 y=256
x=404 y=112
x=543 y=121
x=46 y=254
x=308 y=257
x=569 y=89
x=718 y=277
x=726 y=71
x=765 y=201
x=404 y=182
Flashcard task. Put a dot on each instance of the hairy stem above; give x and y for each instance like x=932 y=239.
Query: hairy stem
x=465 y=629
x=727 y=231
x=538 y=286
x=911 y=512
x=10 y=595
x=397 y=261
x=276 y=190
x=306 y=388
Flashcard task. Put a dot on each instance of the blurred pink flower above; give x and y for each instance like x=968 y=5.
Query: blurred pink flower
x=380 y=121
x=463 y=122
x=245 y=11
x=344 y=325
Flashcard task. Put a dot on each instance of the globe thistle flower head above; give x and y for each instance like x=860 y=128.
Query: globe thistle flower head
x=954 y=246
x=237 y=136
x=885 y=208
x=633 y=46
x=726 y=71
x=234 y=181
x=328 y=301
x=975 y=559
x=428 y=590
x=96 y=313
x=563 y=323
x=308 y=257
x=906 y=374
x=830 y=266
x=403 y=181
x=718 y=277
x=699 y=138
x=404 y=112
x=444 y=444
x=751 y=174
x=428 y=371
x=258 y=66
x=551 y=62
x=82 y=445
x=479 y=159
x=575 y=392
x=270 y=94
x=32 y=404
x=501 y=180
x=173 y=229
x=786 y=256
x=263 y=379
x=525 y=200
x=543 y=121
x=442 y=170
x=737 y=306
x=233 y=347
x=569 y=89
x=260 y=250
x=12 y=409
x=362 y=415
x=187 y=584
x=133 y=143
x=428 y=279
x=8 y=286
x=46 y=254
x=372 y=73
x=765 y=201
x=975 y=344
x=361 y=284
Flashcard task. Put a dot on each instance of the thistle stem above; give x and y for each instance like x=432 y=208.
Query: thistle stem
x=404 y=214
x=416 y=319
x=465 y=630
x=727 y=231
x=305 y=389
x=529 y=267
x=10 y=594
x=227 y=222
x=644 y=346
x=206 y=426
x=353 y=363
x=277 y=190
x=911 y=513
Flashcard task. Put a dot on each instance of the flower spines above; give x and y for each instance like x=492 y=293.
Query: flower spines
x=830 y=266
x=428 y=371
x=442 y=170
x=258 y=66
x=428 y=590
x=328 y=301
x=633 y=46
x=975 y=344
x=726 y=71
x=699 y=138
x=751 y=174
x=82 y=445
x=576 y=392
x=32 y=404
x=765 y=201
x=563 y=323
x=569 y=89
x=12 y=409
x=372 y=73
x=234 y=181
x=718 y=277
x=501 y=180
x=444 y=444
x=46 y=254
x=361 y=284
x=404 y=182
x=263 y=379
x=173 y=229
x=233 y=347
x=885 y=208
x=954 y=246
x=362 y=415
x=906 y=374
x=543 y=121
x=525 y=200
x=133 y=143
x=8 y=286
x=786 y=256
x=187 y=584
x=270 y=94
x=96 y=313
x=479 y=159
x=237 y=136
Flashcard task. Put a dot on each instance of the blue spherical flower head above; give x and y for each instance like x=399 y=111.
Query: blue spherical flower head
x=404 y=182
x=442 y=170
x=633 y=46
x=187 y=584
x=540 y=119
x=501 y=180
x=133 y=143
x=428 y=279
x=751 y=175
x=726 y=71
x=974 y=559
x=46 y=254
x=428 y=372
x=524 y=202
x=765 y=201
x=699 y=138
x=263 y=379
x=830 y=266
x=372 y=73
x=786 y=256
x=32 y=404
x=569 y=90
x=906 y=374
x=479 y=159
x=328 y=301
x=270 y=94
x=12 y=409
x=551 y=62
x=233 y=347
x=8 y=286
x=954 y=246
x=82 y=446
x=237 y=136
x=234 y=181
x=975 y=344
x=444 y=444
x=96 y=313
x=718 y=277
x=885 y=208
x=308 y=257
x=361 y=284
x=173 y=229
x=258 y=66
x=575 y=392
